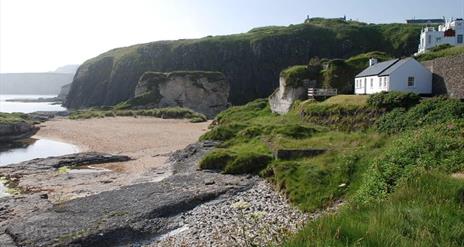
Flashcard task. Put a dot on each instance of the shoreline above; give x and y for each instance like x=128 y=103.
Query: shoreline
x=148 y=141
x=187 y=206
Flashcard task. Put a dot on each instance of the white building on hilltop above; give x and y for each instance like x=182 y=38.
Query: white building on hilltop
x=452 y=33
x=404 y=75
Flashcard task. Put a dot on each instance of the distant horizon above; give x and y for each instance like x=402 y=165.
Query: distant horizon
x=40 y=36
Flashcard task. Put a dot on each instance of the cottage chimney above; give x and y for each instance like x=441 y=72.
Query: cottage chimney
x=372 y=62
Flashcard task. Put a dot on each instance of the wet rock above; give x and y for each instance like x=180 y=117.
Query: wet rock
x=131 y=214
x=15 y=131
x=52 y=163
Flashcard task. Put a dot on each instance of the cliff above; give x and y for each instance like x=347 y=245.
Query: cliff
x=202 y=91
x=64 y=92
x=250 y=61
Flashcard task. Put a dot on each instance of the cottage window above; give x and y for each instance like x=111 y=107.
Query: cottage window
x=385 y=82
x=380 y=82
x=372 y=82
x=411 y=81
x=460 y=39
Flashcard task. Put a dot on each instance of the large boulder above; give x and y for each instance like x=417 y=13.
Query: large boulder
x=202 y=91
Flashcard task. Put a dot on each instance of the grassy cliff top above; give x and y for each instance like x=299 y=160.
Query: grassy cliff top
x=400 y=35
x=13 y=118
x=295 y=75
x=443 y=51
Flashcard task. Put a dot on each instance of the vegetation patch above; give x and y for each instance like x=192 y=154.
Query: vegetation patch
x=340 y=117
x=390 y=158
x=441 y=51
x=165 y=113
x=295 y=76
x=14 y=118
x=430 y=111
x=391 y=100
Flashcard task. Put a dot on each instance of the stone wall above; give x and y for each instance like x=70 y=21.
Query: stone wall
x=448 y=76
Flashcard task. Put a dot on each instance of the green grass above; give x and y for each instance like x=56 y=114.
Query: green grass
x=13 y=118
x=345 y=117
x=430 y=111
x=356 y=100
x=165 y=113
x=448 y=52
x=424 y=211
x=295 y=75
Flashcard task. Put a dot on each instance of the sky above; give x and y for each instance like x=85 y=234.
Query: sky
x=42 y=35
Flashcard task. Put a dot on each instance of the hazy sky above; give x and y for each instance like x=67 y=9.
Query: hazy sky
x=41 y=35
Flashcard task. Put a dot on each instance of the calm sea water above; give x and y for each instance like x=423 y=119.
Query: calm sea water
x=34 y=148
x=31 y=148
x=26 y=107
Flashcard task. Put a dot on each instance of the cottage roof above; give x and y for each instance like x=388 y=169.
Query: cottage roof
x=378 y=68
x=395 y=66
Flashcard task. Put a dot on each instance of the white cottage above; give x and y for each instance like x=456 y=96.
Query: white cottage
x=404 y=75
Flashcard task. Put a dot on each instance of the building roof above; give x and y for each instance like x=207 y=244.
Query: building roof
x=395 y=66
x=378 y=68
x=384 y=68
x=426 y=21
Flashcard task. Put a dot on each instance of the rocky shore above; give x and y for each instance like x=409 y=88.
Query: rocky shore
x=255 y=217
x=149 y=213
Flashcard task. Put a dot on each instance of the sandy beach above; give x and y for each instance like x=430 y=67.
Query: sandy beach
x=149 y=141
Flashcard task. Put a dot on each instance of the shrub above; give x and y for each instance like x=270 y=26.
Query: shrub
x=391 y=100
x=436 y=147
x=431 y=111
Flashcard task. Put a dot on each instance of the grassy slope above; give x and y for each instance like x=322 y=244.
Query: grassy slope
x=448 y=52
x=397 y=186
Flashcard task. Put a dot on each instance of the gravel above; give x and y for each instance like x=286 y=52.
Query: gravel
x=256 y=217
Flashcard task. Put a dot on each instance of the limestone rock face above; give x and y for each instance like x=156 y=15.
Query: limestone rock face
x=202 y=91
x=284 y=96
x=64 y=92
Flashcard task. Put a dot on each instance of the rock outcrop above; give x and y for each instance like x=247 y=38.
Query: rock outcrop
x=125 y=216
x=16 y=131
x=64 y=92
x=203 y=92
x=250 y=61
x=41 y=165
x=284 y=96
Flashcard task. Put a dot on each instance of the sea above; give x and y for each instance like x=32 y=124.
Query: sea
x=34 y=147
